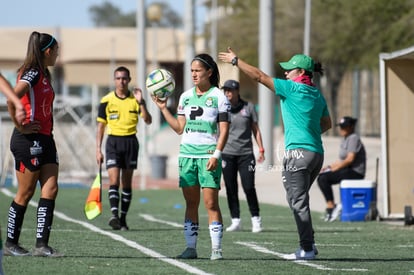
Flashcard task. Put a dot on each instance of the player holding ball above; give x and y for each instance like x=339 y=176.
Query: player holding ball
x=203 y=121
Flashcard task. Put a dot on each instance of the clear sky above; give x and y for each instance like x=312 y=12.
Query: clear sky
x=68 y=13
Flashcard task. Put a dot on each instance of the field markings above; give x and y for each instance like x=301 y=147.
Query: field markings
x=116 y=237
x=153 y=219
x=171 y=261
x=262 y=249
x=300 y=262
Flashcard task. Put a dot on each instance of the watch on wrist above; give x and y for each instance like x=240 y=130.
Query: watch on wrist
x=234 y=61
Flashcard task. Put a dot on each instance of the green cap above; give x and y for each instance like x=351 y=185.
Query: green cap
x=298 y=61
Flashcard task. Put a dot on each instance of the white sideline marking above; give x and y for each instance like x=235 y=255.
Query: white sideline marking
x=300 y=262
x=142 y=249
x=262 y=249
x=153 y=219
x=405 y=246
x=339 y=245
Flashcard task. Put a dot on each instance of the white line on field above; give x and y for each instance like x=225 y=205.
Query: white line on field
x=142 y=249
x=300 y=262
x=153 y=219
x=340 y=245
x=259 y=248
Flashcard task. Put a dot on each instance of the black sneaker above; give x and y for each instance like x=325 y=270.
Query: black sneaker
x=11 y=249
x=115 y=223
x=189 y=253
x=46 y=251
x=124 y=226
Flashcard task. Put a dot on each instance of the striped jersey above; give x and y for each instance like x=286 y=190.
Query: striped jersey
x=38 y=102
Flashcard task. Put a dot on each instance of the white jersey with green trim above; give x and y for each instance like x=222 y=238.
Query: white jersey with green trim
x=201 y=129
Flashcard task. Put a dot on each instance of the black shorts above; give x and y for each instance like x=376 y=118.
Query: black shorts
x=32 y=151
x=122 y=152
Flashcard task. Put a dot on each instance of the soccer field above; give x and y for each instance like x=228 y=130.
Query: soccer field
x=155 y=238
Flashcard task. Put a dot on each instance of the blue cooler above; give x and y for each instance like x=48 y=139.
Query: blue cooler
x=356 y=197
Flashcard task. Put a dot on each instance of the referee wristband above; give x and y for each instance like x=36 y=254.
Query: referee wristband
x=217 y=154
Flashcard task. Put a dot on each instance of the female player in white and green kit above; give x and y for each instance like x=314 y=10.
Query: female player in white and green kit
x=203 y=121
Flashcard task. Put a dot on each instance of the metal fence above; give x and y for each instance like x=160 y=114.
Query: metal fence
x=74 y=132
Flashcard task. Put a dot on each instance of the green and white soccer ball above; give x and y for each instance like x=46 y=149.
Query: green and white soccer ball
x=160 y=83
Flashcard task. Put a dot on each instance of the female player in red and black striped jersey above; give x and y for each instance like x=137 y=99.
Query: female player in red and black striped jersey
x=33 y=146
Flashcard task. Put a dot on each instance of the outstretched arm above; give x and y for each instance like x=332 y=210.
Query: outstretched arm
x=254 y=73
x=18 y=110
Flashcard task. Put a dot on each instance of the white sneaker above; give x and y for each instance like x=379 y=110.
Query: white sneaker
x=336 y=212
x=235 y=225
x=216 y=254
x=257 y=224
x=300 y=254
x=328 y=214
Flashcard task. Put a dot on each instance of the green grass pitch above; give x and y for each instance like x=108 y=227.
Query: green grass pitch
x=155 y=238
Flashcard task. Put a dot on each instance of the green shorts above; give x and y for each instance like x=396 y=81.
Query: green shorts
x=193 y=171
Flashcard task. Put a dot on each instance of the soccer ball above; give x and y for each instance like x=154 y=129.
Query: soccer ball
x=160 y=83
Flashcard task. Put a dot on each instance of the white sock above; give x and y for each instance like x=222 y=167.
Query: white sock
x=216 y=234
x=190 y=233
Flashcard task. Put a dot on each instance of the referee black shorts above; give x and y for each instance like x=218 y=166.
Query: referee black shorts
x=32 y=151
x=122 y=152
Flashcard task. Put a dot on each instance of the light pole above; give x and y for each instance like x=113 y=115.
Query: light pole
x=154 y=14
x=141 y=74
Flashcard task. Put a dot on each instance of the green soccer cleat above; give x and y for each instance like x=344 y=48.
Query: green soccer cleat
x=189 y=253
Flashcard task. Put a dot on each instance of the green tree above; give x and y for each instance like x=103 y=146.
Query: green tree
x=108 y=15
x=345 y=34
x=353 y=33
x=350 y=34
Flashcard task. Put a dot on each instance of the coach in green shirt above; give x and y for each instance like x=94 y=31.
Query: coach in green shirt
x=305 y=117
